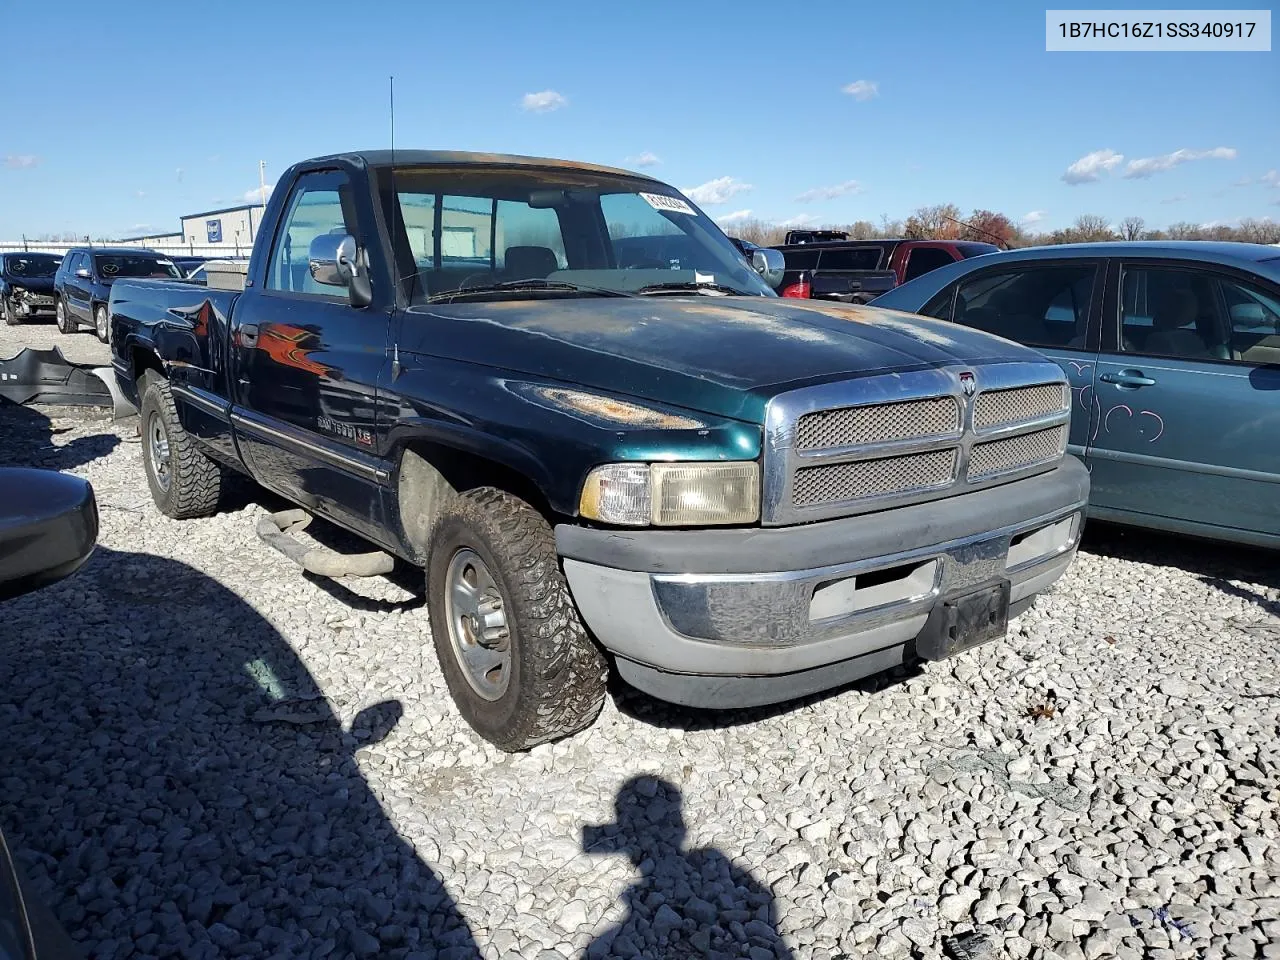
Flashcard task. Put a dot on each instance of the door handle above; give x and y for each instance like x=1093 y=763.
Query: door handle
x=248 y=334
x=1128 y=378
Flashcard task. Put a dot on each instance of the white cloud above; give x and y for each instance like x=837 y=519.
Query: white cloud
x=141 y=226
x=1177 y=198
x=646 y=159
x=734 y=217
x=179 y=172
x=1243 y=182
x=21 y=161
x=830 y=193
x=714 y=191
x=544 y=101
x=803 y=220
x=258 y=195
x=140 y=193
x=1144 y=167
x=1033 y=216
x=862 y=89
x=1092 y=166
x=1271 y=178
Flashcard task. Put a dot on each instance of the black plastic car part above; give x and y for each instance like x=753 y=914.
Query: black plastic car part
x=48 y=528
x=46 y=376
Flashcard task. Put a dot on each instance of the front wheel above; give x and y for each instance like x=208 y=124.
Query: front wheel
x=184 y=482
x=6 y=311
x=101 y=324
x=62 y=317
x=514 y=652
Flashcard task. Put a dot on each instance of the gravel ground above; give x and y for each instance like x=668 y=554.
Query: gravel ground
x=207 y=754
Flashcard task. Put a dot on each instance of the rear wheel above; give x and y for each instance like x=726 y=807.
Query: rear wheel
x=62 y=317
x=514 y=652
x=100 y=323
x=184 y=482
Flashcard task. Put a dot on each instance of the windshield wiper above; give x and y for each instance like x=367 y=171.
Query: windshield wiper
x=531 y=283
x=686 y=286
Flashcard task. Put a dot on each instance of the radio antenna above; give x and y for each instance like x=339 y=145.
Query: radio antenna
x=395 y=224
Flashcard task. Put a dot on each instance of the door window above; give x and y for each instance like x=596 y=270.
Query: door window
x=924 y=259
x=1171 y=312
x=1038 y=306
x=317 y=207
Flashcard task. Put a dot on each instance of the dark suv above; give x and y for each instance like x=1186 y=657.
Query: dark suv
x=82 y=285
x=26 y=285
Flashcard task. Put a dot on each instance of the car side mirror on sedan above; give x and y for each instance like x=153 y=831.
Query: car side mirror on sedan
x=769 y=263
x=336 y=260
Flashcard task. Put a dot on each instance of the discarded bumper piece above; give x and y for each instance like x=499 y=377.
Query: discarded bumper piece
x=46 y=376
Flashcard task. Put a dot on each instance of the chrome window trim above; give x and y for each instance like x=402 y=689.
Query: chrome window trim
x=780 y=458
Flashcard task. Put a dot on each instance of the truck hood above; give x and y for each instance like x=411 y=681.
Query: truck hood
x=717 y=355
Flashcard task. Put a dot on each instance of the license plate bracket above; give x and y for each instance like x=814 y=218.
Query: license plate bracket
x=966 y=621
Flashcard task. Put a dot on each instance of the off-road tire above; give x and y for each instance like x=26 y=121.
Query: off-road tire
x=10 y=316
x=62 y=316
x=195 y=481
x=558 y=674
x=103 y=328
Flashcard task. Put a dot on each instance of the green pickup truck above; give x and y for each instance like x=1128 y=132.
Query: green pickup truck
x=563 y=393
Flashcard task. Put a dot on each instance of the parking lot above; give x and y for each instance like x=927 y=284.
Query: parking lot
x=207 y=753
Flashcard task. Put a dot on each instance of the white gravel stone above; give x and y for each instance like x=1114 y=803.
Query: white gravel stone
x=181 y=773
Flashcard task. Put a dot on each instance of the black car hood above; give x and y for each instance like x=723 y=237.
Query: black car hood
x=721 y=355
x=34 y=284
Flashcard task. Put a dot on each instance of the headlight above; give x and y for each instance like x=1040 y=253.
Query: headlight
x=672 y=494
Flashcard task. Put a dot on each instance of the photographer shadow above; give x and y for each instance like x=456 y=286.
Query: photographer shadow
x=687 y=903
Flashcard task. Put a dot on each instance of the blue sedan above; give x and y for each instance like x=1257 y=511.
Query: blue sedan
x=1173 y=353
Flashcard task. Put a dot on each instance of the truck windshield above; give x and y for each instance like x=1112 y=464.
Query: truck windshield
x=124 y=265
x=463 y=229
x=32 y=265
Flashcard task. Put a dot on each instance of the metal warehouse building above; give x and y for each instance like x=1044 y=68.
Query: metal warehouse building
x=230 y=229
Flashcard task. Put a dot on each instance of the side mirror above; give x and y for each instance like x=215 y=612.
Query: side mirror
x=48 y=528
x=335 y=260
x=770 y=264
x=82 y=273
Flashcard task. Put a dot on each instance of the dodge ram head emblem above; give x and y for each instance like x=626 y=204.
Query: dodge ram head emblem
x=967 y=383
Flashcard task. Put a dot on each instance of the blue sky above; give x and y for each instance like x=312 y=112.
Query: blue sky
x=830 y=111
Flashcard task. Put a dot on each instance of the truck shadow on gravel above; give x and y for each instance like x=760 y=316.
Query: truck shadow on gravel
x=29 y=432
x=177 y=785
x=687 y=903
x=1213 y=563
x=658 y=713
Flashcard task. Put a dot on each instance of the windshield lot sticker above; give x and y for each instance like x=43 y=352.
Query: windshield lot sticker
x=668 y=204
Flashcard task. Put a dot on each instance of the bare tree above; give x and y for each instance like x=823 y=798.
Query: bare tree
x=1133 y=228
x=933 y=223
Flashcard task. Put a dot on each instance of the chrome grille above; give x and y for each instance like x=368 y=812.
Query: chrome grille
x=860 y=479
x=882 y=423
x=1014 y=453
x=996 y=408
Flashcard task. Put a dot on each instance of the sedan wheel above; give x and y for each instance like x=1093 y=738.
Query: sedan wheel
x=100 y=325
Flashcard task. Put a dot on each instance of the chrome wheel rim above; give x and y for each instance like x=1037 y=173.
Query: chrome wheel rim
x=61 y=313
x=159 y=445
x=100 y=321
x=477 y=624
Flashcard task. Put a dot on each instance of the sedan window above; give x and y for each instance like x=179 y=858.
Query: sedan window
x=1171 y=312
x=1038 y=306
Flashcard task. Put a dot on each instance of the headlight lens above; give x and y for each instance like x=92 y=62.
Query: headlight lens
x=672 y=494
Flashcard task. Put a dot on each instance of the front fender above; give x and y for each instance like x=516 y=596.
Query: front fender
x=553 y=433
